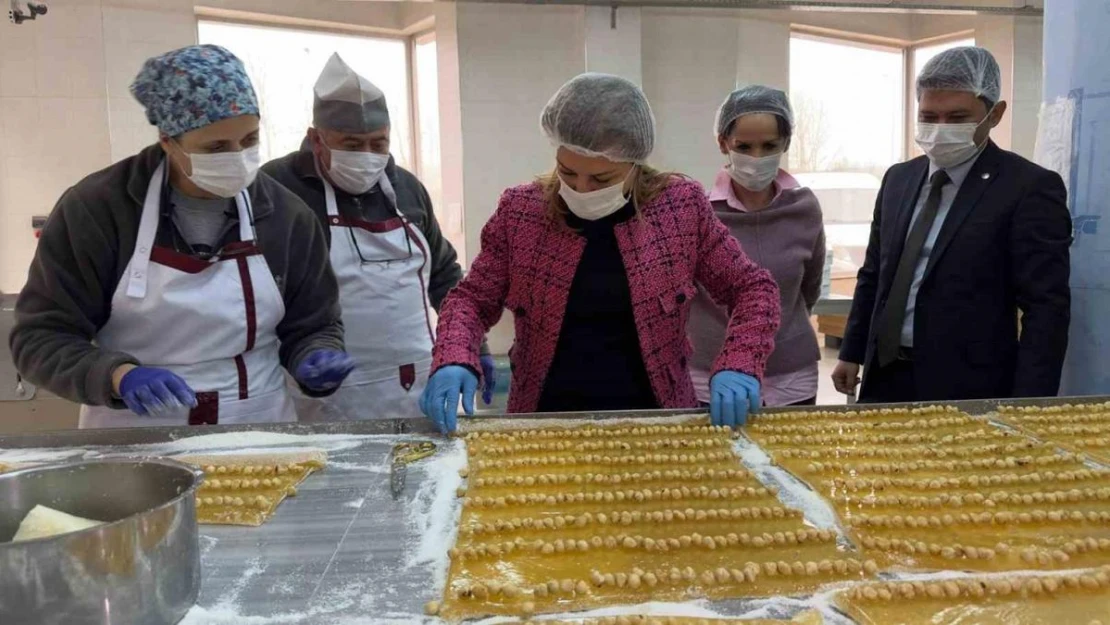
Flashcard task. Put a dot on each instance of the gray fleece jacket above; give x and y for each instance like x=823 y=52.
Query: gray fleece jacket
x=86 y=245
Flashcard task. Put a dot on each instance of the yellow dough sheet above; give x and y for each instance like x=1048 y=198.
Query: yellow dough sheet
x=1084 y=428
x=1062 y=599
x=246 y=489
x=575 y=517
x=809 y=617
x=934 y=489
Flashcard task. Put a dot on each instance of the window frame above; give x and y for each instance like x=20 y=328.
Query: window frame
x=416 y=39
x=297 y=24
x=907 y=50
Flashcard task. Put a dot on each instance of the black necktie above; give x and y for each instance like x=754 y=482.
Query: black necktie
x=893 y=316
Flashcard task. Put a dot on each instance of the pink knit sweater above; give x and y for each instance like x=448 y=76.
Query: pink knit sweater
x=527 y=264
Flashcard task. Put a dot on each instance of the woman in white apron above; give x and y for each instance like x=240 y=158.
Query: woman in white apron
x=165 y=290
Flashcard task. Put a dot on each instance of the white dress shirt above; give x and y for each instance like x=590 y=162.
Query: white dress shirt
x=956 y=176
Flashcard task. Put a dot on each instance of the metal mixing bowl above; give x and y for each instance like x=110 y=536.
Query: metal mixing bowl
x=141 y=568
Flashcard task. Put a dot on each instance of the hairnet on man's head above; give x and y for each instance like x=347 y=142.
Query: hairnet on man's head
x=601 y=115
x=969 y=68
x=751 y=100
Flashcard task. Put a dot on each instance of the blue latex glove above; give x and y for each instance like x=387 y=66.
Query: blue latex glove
x=324 y=369
x=440 y=400
x=732 y=396
x=489 y=377
x=148 y=391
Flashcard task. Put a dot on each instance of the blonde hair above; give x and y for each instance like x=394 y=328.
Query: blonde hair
x=647 y=186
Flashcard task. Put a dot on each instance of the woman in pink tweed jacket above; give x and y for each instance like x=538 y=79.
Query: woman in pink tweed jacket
x=538 y=242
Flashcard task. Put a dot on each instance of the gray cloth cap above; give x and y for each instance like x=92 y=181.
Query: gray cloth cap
x=347 y=102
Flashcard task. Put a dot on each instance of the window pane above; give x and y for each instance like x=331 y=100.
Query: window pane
x=430 y=169
x=848 y=104
x=284 y=63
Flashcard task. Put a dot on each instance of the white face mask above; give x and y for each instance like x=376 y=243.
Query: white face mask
x=948 y=145
x=754 y=174
x=225 y=174
x=595 y=204
x=356 y=172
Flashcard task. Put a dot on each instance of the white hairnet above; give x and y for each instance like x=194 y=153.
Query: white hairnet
x=963 y=69
x=601 y=115
x=750 y=100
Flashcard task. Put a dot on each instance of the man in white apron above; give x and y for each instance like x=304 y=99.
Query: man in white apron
x=173 y=287
x=393 y=263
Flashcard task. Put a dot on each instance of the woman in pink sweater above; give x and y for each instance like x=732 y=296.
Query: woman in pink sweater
x=779 y=225
x=599 y=262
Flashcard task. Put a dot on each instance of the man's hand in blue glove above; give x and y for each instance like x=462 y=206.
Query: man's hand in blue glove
x=732 y=396
x=324 y=369
x=489 y=377
x=148 y=391
x=440 y=401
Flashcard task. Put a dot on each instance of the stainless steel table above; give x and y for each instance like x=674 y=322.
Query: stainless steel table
x=342 y=552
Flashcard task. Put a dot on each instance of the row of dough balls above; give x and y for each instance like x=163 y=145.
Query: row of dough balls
x=638 y=496
x=259 y=502
x=580 y=479
x=1065 y=409
x=916 y=451
x=280 y=469
x=1005 y=517
x=934 y=423
x=630 y=517
x=241 y=484
x=866 y=438
x=970 y=481
x=1008 y=462
x=638 y=578
x=609 y=445
x=1062 y=552
x=635 y=542
x=834 y=415
x=598 y=459
x=1022 y=586
x=989 y=500
x=611 y=432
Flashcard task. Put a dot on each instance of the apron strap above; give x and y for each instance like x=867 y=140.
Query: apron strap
x=246 y=216
x=148 y=229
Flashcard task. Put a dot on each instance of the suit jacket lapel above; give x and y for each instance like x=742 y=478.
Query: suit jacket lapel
x=981 y=176
x=907 y=201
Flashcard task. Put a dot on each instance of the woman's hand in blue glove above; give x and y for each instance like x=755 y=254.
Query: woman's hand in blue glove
x=148 y=391
x=489 y=377
x=324 y=369
x=440 y=401
x=732 y=396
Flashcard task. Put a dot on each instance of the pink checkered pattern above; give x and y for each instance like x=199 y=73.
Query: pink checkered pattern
x=527 y=264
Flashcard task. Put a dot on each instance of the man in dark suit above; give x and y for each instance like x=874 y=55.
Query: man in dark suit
x=963 y=239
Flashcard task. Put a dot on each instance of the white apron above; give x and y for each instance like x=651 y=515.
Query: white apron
x=388 y=320
x=211 y=322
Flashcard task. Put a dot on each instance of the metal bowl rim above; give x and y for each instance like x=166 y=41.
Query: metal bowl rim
x=198 y=479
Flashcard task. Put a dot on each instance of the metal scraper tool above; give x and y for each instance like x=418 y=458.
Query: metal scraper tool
x=402 y=455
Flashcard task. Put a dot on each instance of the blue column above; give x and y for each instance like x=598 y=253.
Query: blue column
x=1077 y=78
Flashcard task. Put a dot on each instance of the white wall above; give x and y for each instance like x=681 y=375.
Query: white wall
x=1028 y=80
x=512 y=59
x=65 y=108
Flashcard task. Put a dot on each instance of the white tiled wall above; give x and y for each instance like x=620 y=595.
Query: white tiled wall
x=54 y=120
